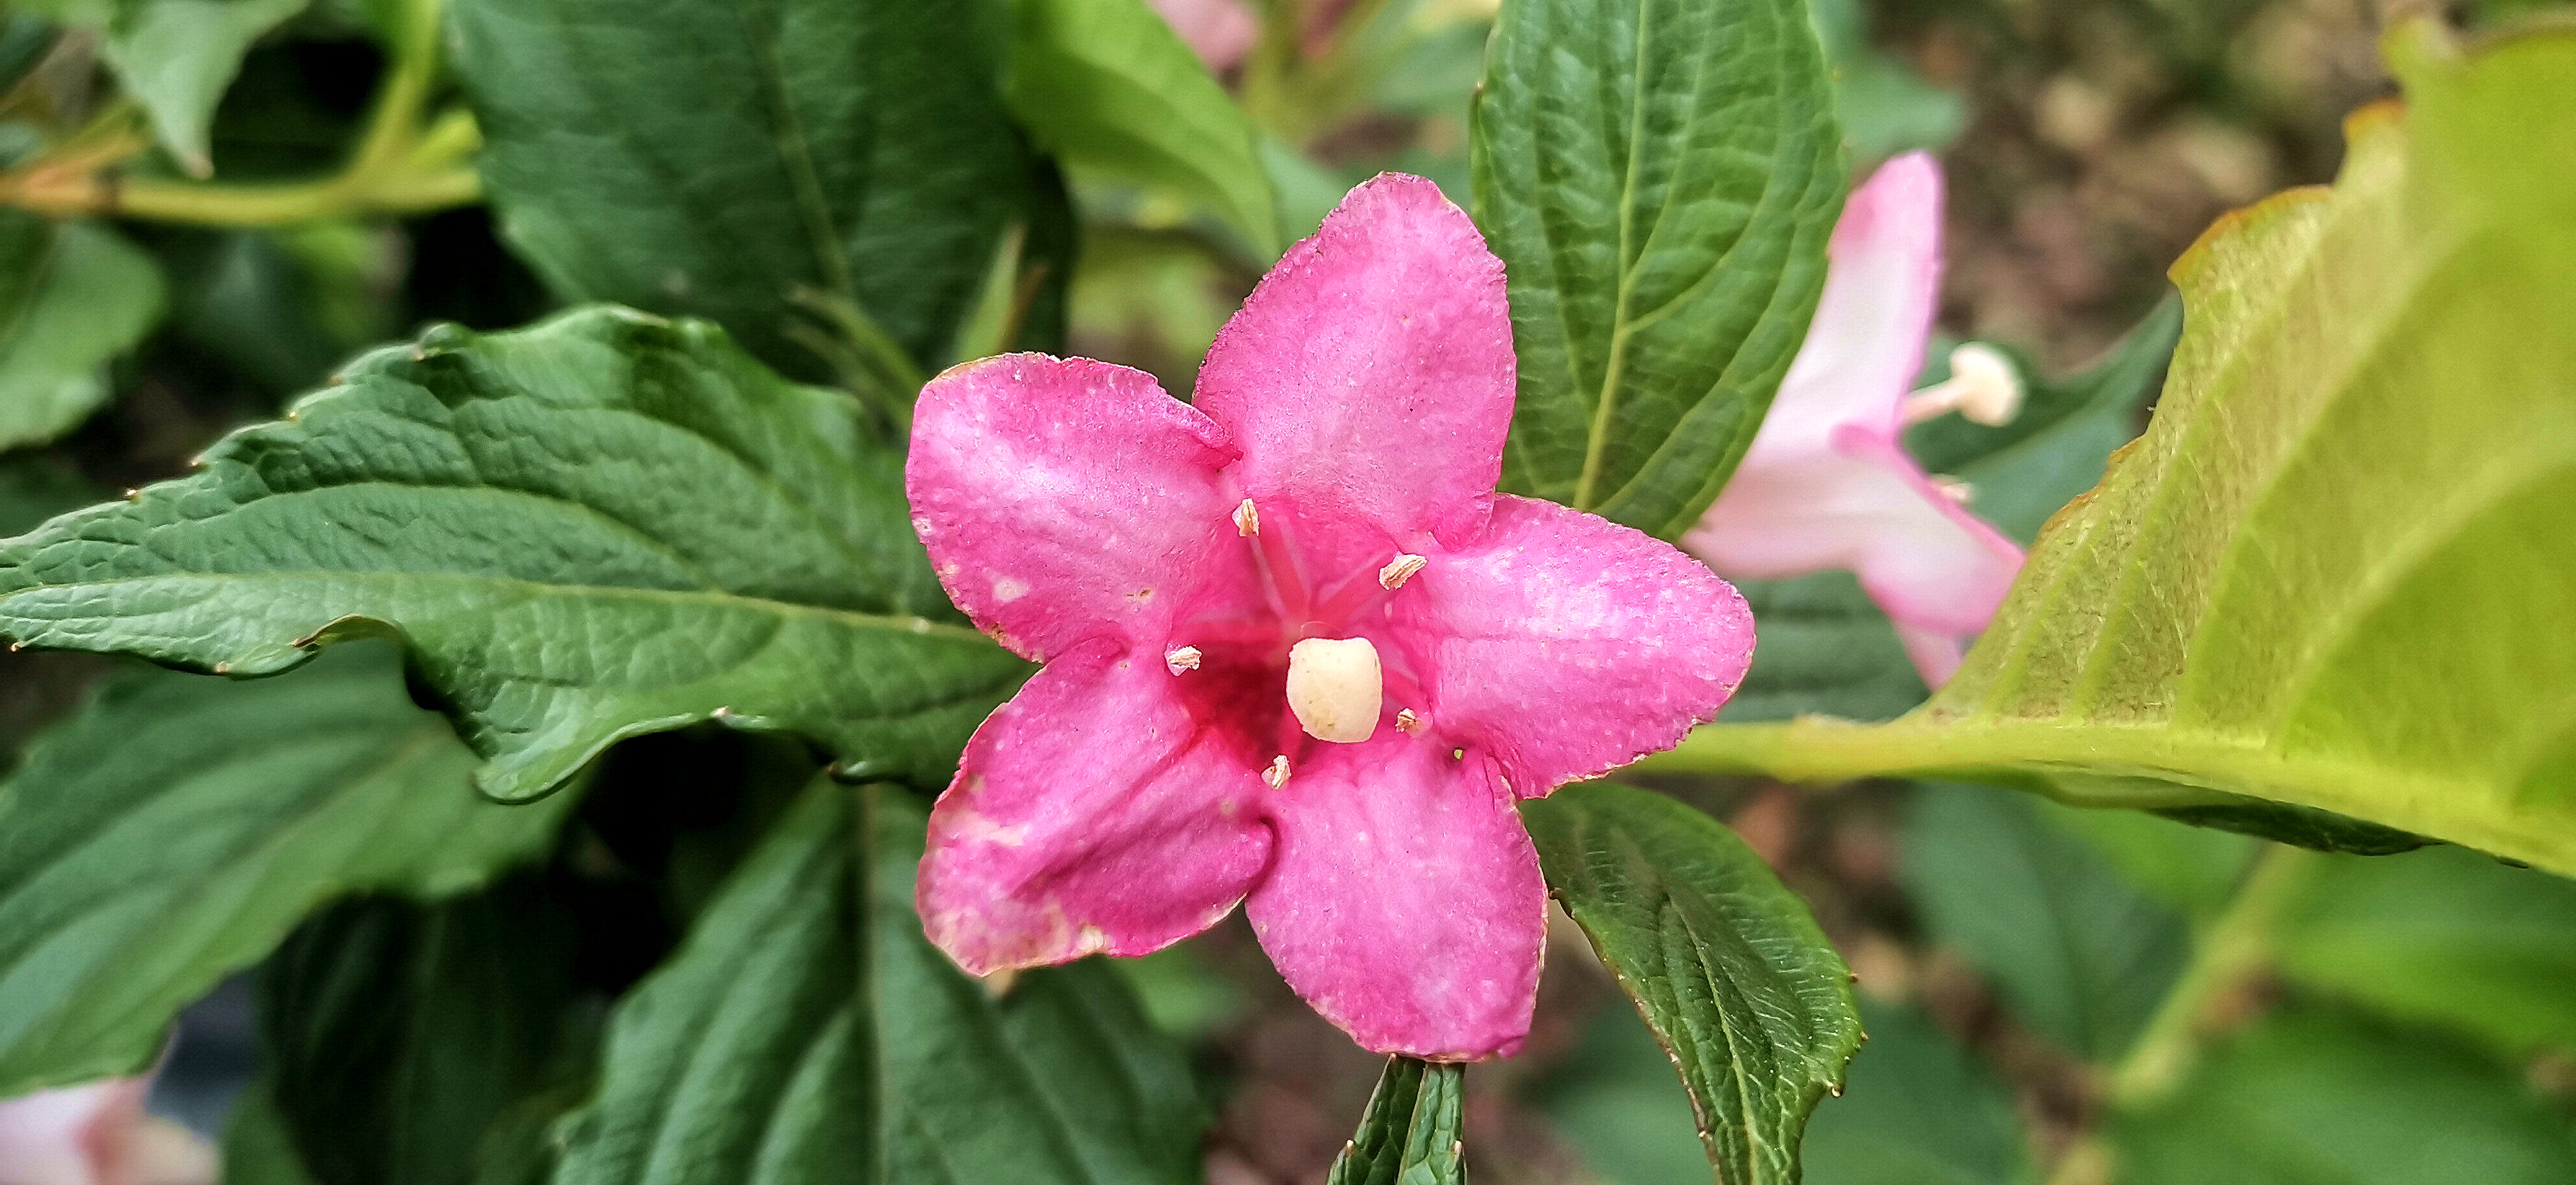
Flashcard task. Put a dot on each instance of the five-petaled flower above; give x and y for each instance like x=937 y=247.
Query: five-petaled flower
x=1828 y=484
x=1298 y=651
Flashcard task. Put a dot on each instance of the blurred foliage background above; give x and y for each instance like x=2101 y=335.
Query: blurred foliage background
x=2052 y=995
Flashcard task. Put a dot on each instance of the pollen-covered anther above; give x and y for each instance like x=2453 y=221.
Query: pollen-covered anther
x=1184 y=658
x=1335 y=688
x=1247 y=520
x=1983 y=387
x=1399 y=570
x=1953 y=488
x=1408 y=723
x=1277 y=774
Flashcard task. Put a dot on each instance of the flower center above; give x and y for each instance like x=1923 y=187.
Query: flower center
x=1335 y=688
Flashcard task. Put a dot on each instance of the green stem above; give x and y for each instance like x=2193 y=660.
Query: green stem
x=2236 y=946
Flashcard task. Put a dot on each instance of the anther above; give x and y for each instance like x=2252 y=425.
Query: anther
x=1982 y=387
x=1408 y=723
x=1953 y=488
x=1399 y=570
x=1185 y=658
x=1247 y=521
x=1277 y=774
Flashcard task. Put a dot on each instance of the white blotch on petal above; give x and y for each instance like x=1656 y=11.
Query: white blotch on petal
x=1007 y=589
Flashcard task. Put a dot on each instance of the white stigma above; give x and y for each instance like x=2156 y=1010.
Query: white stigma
x=1184 y=659
x=1247 y=521
x=1335 y=688
x=1408 y=723
x=1982 y=387
x=1277 y=774
x=1399 y=570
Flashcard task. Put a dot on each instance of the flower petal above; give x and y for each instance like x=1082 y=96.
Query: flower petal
x=1066 y=499
x=1091 y=814
x=1568 y=645
x=1405 y=904
x=1827 y=484
x=1369 y=378
x=1219 y=31
x=52 y=1137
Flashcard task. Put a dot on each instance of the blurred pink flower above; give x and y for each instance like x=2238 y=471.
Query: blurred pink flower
x=1299 y=652
x=1828 y=484
x=1219 y=31
x=98 y=1134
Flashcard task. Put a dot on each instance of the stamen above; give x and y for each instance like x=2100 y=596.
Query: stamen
x=1983 y=386
x=1247 y=520
x=1398 y=570
x=1277 y=774
x=1335 y=688
x=1185 y=658
x=1408 y=723
x=1953 y=488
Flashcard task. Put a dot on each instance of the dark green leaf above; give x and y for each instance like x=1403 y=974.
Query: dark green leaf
x=1919 y=1110
x=2079 y=954
x=174 y=57
x=2299 y=826
x=719 y=159
x=1827 y=649
x=257 y=1150
x=72 y=296
x=756 y=1053
x=399 y=1035
x=602 y=526
x=1615 y=1099
x=1409 y=1134
x=176 y=828
x=1659 y=177
x=1728 y=967
x=2193 y=869
x=2444 y=936
x=1108 y=87
x=2312 y=1100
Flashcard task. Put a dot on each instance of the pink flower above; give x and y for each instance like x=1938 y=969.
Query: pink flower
x=1219 y=31
x=98 y=1134
x=1299 y=652
x=1828 y=484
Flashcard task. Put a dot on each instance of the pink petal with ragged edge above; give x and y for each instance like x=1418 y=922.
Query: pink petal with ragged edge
x=1405 y=903
x=1568 y=645
x=1828 y=484
x=1369 y=379
x=1066 y=499
x=1090 y=814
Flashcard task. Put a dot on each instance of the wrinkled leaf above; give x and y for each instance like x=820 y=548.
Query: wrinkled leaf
x=1108 y=87
x=1409 y=1134
x=399 y=1035
x=2335 y=572
x=2079 y=954
x=72 y=296
x=757 y=1052
x=718 y=160
x=1826 y=648
x=1659 y=178
x=1733 y=976
x=601 y=526
x=2445 y=937
x=175 y=829
x=2317 y=1100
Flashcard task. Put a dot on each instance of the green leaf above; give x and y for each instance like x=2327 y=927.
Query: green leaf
x=175 y=57
x=1108 y=87
x=1614 y=1098
x=173 y=831
x=601 y=526
x=399 y=1035
x=2316 y=1100
x=2445 y=937
x=1409 y=1134
x=721 y=160
x=72 y=296
x=2079 y=954
x=1827 y=648
x=2335 y=572
x=1919 y=1110
x=2194 y=869
x=257 y=1149
x=1659 y=178
x=1739 y=985
x=769 y=1050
